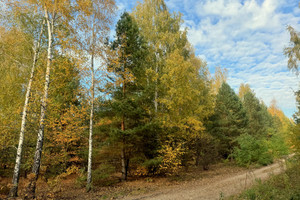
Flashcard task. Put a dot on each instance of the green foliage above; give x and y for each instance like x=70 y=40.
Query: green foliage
x=259 y=117
x=280 y=187
x=251 y=150
x=102 y=173
x=278 y=146
x=152 y=165
x=206 y=151
x=230 y=119
x=159 y=110
x=81 y=178
x=129 y=108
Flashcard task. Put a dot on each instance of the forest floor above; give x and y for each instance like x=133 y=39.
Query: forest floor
x=220 y=181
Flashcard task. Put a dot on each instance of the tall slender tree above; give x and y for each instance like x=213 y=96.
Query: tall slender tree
x=93 y=26
x=16 y=61
x=16 y=174
x=160 y=28
x=128 y=91
x=39 y=146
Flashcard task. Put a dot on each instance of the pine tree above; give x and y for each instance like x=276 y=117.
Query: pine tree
x=230 y=119
x=257 y=115
x=129 y=100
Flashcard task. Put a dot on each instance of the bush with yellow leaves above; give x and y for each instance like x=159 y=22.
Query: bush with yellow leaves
x=170 y=158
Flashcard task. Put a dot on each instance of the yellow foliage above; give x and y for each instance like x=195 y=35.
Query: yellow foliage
x=140 y=171
x=219 y=77
x=244 y=88
x=171 y=158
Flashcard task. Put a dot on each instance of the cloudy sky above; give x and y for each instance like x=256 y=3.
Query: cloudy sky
x=245 y=36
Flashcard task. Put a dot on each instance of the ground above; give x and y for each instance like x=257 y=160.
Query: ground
x=221 y=181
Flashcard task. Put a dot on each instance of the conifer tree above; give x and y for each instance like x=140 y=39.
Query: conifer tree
x=129 y=100
x=259 y=118
x=254 y=111
x=230 y=119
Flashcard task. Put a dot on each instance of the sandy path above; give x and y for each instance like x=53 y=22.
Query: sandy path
x=213 y=188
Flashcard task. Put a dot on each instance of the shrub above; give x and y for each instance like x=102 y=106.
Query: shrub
x=251 y=150
x=278 y=146
x=170 y=159
x=283 y=186
x=152 y=165
x=101 y=175
x=206 y=151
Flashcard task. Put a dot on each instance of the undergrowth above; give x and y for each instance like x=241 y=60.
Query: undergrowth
x=285 y=186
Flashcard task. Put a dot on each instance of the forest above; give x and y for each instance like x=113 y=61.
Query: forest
x=76 y=101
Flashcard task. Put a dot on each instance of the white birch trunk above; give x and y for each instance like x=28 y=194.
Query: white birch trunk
x=39 y=145
x=16 y=175
x=89 y=172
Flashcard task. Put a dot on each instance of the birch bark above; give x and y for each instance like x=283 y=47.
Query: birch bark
x=16 y=175
x=39 y=146
x=89 y=173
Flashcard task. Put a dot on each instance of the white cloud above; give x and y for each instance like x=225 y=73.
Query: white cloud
x=247 y=37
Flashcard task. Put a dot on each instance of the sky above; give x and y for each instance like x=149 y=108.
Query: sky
x=247 y=37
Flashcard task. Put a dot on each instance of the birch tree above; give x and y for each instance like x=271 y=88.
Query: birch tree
x=31 y=24
x=16 y=174
x=50 y=20
x=15 y=61
x=93 y=26
x=54 y=12
x=292 y=51
x=161 y=31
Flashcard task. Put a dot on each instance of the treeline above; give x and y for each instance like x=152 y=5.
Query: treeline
x=140 y=103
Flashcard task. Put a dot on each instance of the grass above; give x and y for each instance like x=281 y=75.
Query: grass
x=285 y=186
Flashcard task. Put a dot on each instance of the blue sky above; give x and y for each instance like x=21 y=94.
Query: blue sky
x=245 y=36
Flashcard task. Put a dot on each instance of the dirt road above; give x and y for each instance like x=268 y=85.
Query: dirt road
x=213 y=188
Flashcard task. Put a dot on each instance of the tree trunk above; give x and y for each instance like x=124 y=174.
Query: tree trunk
x=123 y=153
x=89 y=173
x=16 y=175
x=39 y=146
x=123 y=163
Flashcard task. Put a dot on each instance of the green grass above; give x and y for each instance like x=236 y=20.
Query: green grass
x=285 y=186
